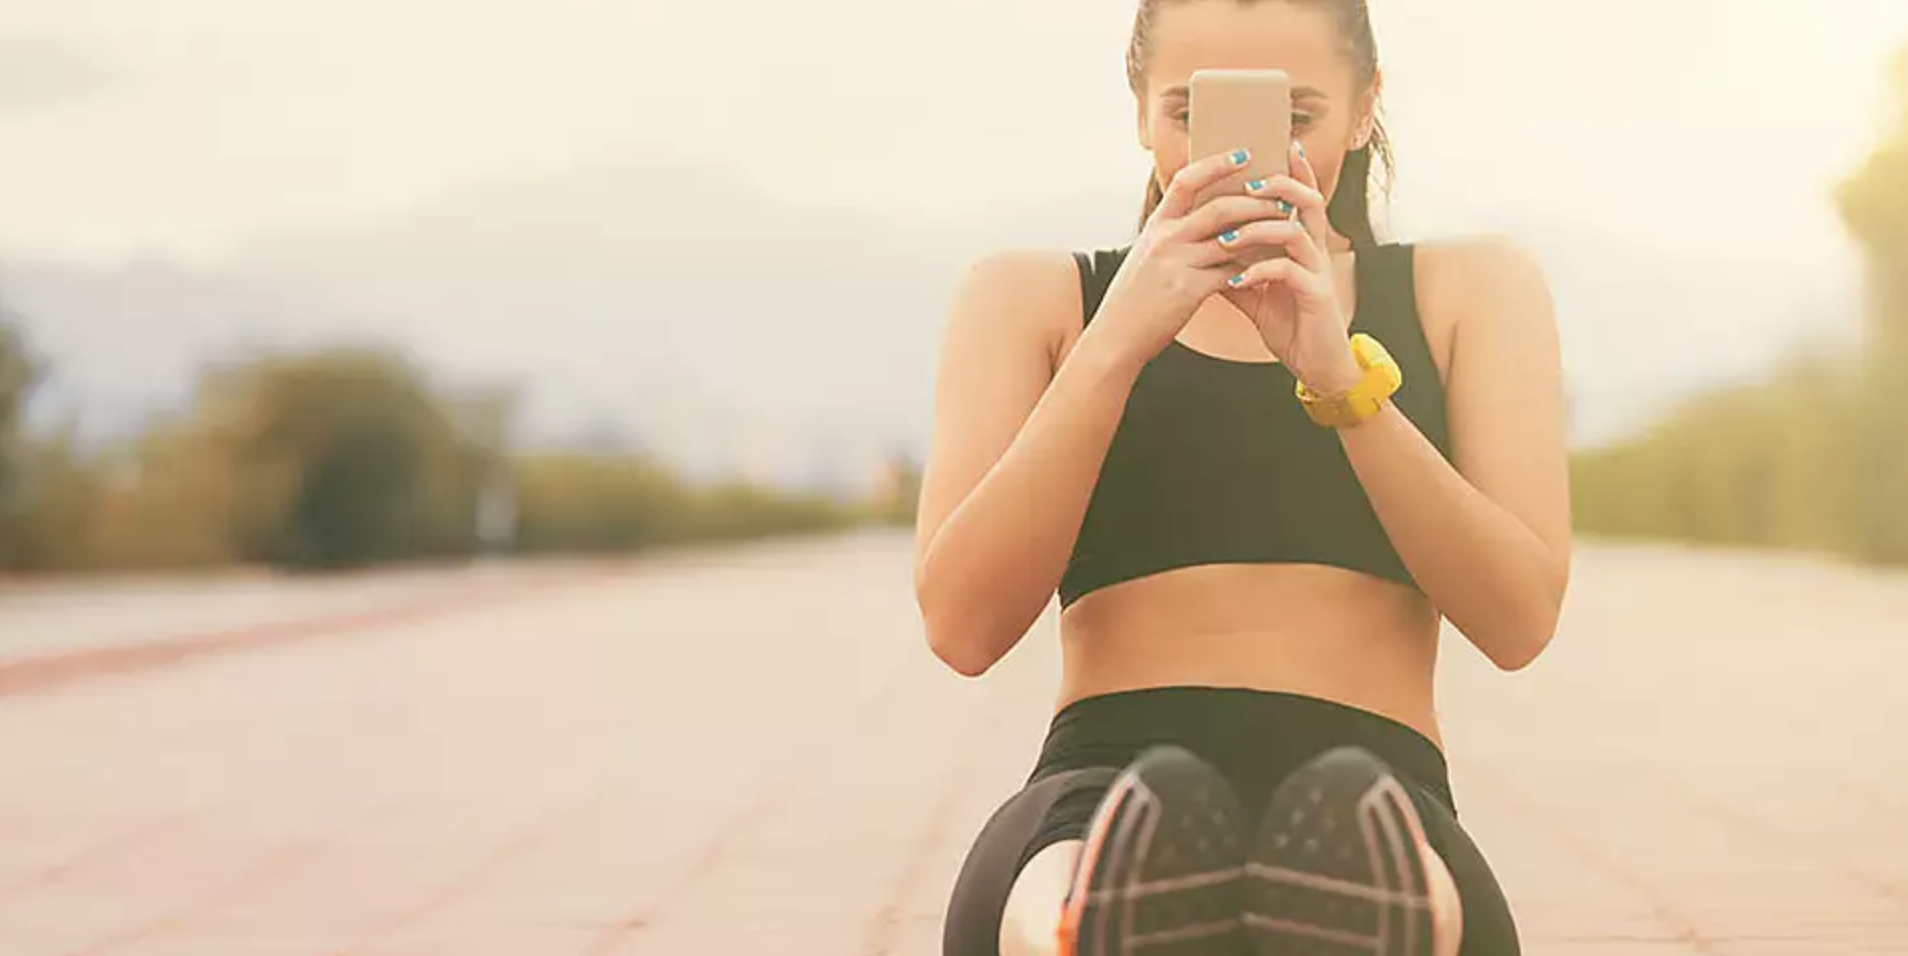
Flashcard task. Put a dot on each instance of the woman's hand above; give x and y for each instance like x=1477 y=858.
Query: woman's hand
x=1294 y=300
x=1178 y=261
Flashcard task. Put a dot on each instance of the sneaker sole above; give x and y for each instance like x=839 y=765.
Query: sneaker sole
x=1162 y=869
x=1335 y=868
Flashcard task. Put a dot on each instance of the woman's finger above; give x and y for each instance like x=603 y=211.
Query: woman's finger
x=1301 y=202
x=1182 y=194
x=1287 y=234
x=1226 y=212
x=1302 y=167
x=1302 y=282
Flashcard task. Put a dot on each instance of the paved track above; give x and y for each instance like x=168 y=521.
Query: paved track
x=754 y=754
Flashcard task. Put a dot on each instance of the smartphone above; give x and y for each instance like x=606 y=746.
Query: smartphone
x=1252 y=109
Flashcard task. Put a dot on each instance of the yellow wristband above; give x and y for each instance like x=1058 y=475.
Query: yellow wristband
x=1381 y=379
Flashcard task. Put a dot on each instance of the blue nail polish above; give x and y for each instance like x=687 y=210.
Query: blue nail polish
x=1256 y=185
x=1301 y=148
x=1236 y=281
x=1239 y=157
x=1285 y=207
x=1229 y=237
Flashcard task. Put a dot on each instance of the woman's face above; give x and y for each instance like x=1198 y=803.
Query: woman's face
x=1329 y=112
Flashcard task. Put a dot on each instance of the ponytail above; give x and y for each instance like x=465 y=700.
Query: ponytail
x=1154 y=196
x=1350 y=208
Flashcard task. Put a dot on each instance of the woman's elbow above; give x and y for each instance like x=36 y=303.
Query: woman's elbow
x=1526 y=637
x=952 y=633
x=960 y=656
x=958 y=643
x=1513 y=656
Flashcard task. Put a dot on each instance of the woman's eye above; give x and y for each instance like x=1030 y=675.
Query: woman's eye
x=1299 y=120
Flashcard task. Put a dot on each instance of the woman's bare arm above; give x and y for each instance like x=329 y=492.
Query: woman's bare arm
x=1020 y=433
x=1017 y=449
x=1486 y=534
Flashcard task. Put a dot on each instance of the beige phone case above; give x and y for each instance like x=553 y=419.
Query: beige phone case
x=1250 y=109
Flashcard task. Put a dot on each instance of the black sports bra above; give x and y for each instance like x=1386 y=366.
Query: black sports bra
x=1215 y=462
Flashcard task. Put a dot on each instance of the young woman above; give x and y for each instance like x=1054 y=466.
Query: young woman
x=1256 y=492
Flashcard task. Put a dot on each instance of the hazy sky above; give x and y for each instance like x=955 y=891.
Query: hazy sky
x=182 y=128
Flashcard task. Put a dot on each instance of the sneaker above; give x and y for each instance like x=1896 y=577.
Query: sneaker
x=1163 y=865
x=1335 y=867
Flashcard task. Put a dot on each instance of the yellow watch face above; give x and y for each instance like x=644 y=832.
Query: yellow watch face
x=1381 y=380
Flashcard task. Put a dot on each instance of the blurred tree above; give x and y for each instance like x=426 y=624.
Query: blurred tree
x=1874 y=200
x=484 y=419
x=1757 y=465
x=1874 y=205
x=738 y=510
x=49 y=491
x=166 y=501
x=1816 y=457
x=343 y=457
x=19 y=373
x=54 y=525
x=598 y=503
x=338 y=458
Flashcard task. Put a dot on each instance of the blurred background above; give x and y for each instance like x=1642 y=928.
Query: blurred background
x=638 y=304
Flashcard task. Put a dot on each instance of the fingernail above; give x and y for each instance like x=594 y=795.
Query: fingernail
x=1301 y=148
x=1236 y=281
x=1239 y=157
x=1229 y=237
x=1285 y=207
x=1256 y=185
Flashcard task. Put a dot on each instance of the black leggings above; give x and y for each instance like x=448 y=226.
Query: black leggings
x=1254 y=738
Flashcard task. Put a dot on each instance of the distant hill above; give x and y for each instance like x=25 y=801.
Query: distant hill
x=728 y=330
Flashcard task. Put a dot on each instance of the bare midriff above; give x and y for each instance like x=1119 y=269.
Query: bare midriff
x=1305 y=629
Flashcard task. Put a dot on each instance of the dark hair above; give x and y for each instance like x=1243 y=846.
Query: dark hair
x=1350 y=208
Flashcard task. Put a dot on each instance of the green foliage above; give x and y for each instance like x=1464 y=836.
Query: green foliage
x=1874 y=204
x=19 y=530
x=340 y=458
x=1874 y=201
x=736 y=510
x=18 y=374
x=1755 y=465
x=51 y=525
x=1815 y=458
x=592 y=503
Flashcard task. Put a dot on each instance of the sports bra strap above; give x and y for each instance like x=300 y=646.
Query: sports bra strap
x=1097 y=270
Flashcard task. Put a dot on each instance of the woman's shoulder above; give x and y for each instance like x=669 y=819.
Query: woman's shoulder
x=1023 y=292
x=1468 y=279
x=1020 y=269
x=1452 y=269
x=1461 y=282
x=1488 y=251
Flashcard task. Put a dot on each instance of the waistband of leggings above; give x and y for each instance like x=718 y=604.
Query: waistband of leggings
x=1194 y=716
